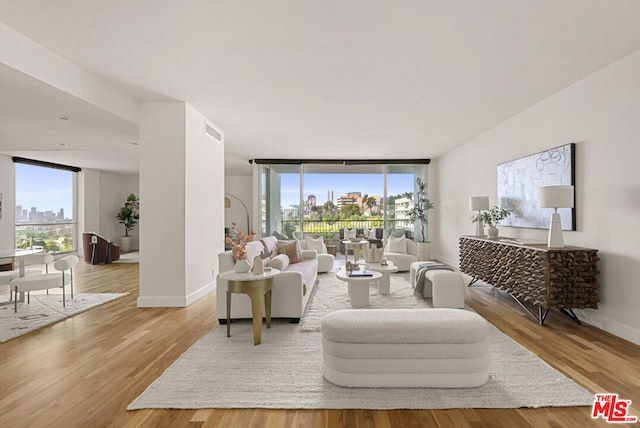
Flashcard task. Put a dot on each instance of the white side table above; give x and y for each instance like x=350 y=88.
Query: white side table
x=384 y=285
x=258 y=287
x=358 y=286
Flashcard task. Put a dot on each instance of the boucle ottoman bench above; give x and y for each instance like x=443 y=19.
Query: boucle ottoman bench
x=444 y=286
x=437 y=348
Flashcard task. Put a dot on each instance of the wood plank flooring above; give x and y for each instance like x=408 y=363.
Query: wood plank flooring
x=84 y=371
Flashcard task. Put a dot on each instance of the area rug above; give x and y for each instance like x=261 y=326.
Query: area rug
x=284 y=372
x=333 y=296
x=44 y=310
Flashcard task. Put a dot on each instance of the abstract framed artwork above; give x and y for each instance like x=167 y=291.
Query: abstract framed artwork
x=519 y=180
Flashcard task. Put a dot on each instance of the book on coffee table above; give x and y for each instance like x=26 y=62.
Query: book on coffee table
x=357 y=273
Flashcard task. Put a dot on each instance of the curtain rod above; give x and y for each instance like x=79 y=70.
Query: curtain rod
x=44 y=164
x=341 y=161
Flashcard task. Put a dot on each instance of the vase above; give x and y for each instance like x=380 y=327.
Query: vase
x=125 y=244
x=242 y=266
x=424 y=251
x=492 y=232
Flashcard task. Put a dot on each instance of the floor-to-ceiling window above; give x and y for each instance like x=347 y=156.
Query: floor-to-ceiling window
x=319 y=199
x=45 y=206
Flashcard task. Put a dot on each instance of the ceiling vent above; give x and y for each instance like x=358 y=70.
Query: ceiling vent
x=213 y=132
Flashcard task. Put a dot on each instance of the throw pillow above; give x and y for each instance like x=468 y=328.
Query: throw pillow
x=291 y=249
x=397 y=233
x=397 y=245
x=280 y=236
x=315 y=244
x=349 y=233
x=280 y=262
x=371 y=233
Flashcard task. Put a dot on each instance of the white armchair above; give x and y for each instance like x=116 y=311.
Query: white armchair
x=402 y=252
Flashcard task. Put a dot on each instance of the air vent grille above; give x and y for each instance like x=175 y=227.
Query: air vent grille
x=212 y=131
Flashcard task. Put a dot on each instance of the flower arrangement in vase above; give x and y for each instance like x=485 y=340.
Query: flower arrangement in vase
x=491 y=218
x=239 y=248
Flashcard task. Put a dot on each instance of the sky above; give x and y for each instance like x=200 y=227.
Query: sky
x=46 y=189
x=341 y=184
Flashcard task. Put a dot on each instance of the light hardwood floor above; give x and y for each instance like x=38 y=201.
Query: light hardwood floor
x=84 y=371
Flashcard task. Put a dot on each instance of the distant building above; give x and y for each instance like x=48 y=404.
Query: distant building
x=402 y=208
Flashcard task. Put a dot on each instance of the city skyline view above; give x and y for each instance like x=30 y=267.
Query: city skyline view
x=45 y=189
x=341 y=184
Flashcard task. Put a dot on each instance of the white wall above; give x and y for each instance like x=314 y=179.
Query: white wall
x=600 y=114
x=114 y=190
x=242 y=187
x=7 y=189
x=204 y=205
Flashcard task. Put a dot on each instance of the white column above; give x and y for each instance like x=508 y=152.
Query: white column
x=181 y=205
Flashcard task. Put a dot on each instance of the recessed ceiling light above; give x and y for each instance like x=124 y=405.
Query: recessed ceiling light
x=64 y=118
x=61 y=144
x=134 y=143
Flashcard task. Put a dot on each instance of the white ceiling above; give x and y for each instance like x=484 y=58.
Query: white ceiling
x=337 y=79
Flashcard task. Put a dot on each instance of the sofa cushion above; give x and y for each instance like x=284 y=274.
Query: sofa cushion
x=397 y=245
x=280 y=262
x=315 y=244
x=291 y=249
x=269 y=243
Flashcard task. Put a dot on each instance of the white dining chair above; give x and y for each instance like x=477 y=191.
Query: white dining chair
x=45 y=281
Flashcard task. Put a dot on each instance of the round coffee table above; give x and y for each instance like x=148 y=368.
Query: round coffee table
x=384 y=285
x=358 y=286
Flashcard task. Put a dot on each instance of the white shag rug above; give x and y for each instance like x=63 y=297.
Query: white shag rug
x=45 y=309
x=285 y=370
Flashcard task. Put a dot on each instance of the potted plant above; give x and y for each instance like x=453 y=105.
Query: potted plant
x=491 y=218
x=419 y=212
x=128 y=217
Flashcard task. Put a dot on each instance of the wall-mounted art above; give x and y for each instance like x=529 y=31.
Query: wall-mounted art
x=519 y=180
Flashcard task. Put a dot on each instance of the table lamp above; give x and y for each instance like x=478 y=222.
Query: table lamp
x=556 y=197
x=479 y=203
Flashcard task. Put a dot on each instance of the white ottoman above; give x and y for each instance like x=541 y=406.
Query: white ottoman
x=445 y=287
x=438 y=348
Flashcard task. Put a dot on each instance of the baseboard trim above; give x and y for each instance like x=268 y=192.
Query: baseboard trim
x=175 y=301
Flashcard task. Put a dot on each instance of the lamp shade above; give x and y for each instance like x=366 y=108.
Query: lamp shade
x=556 y=197
x=478 y=203
x=227 y=202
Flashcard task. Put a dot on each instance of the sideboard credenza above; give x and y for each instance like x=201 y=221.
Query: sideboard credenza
x=548 y=278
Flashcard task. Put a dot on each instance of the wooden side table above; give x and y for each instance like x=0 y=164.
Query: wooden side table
x=258 y=287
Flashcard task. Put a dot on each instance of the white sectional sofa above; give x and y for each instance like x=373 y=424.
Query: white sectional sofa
x=292 y=288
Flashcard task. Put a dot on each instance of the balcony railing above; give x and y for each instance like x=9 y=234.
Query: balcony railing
x=326 y=226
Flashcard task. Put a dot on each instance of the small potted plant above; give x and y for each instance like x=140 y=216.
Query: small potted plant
x=419 y=212
x=128 y=217
x=491 y=218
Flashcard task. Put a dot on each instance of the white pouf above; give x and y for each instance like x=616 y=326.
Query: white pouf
x=440 y=348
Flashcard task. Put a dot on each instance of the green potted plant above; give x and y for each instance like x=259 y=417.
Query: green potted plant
x=422 y=205
x=491 y=218
x=128 y=216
